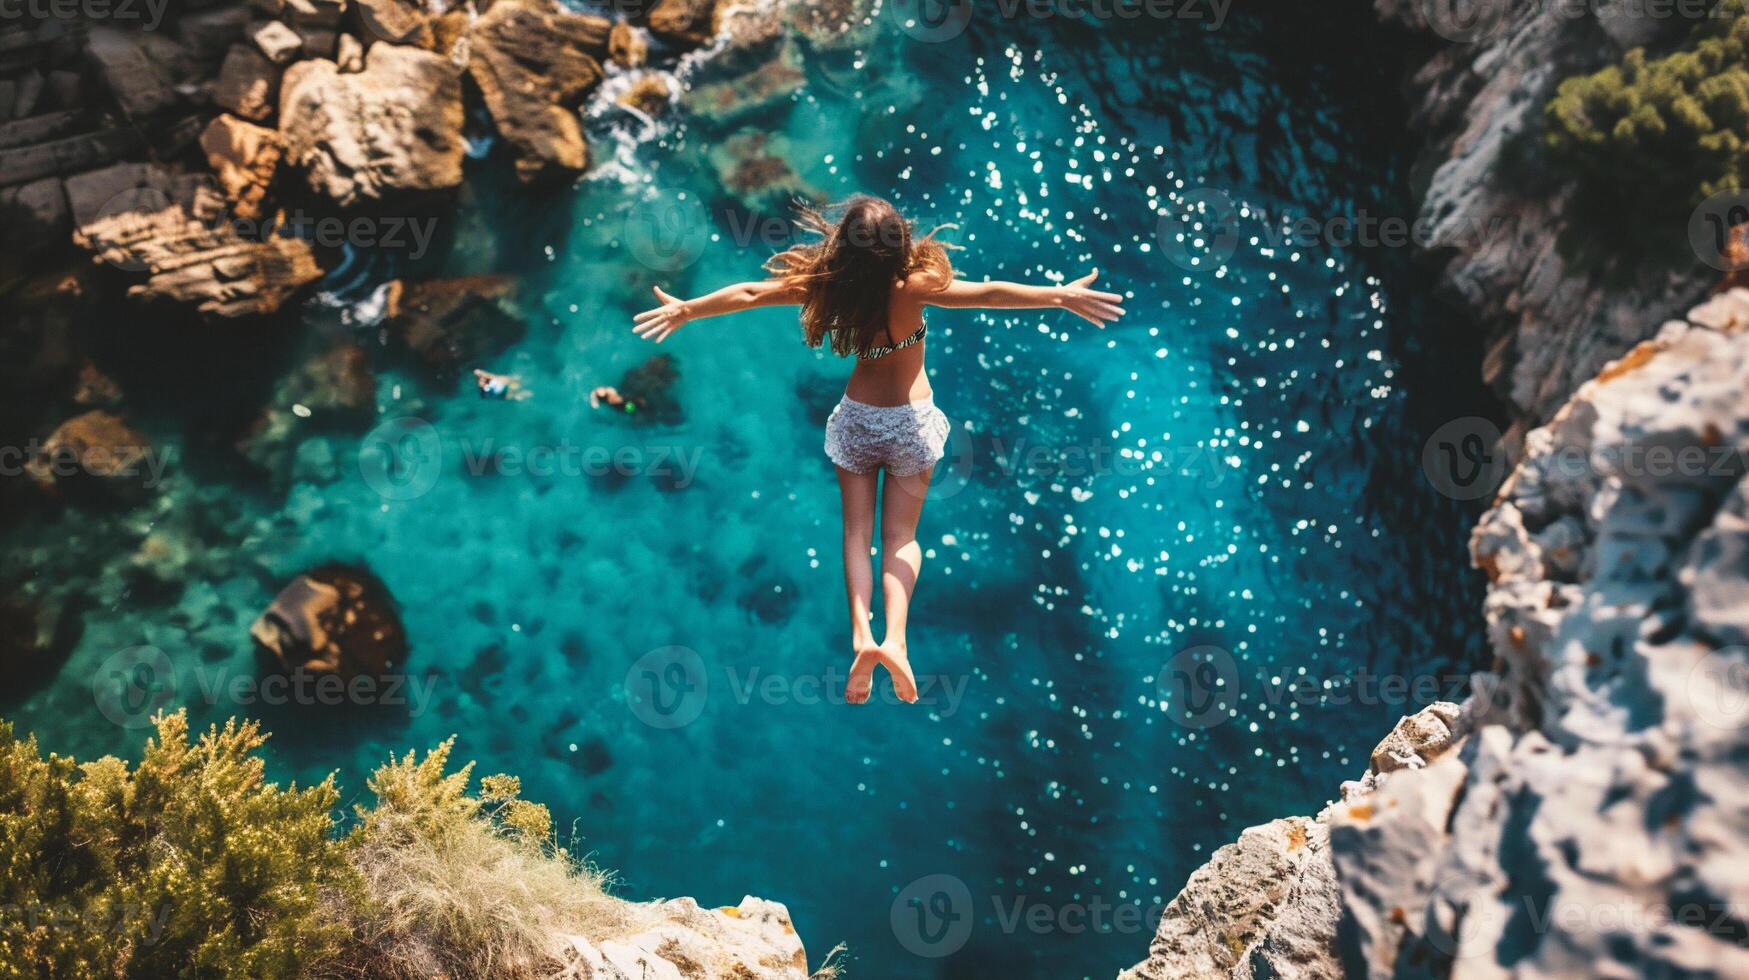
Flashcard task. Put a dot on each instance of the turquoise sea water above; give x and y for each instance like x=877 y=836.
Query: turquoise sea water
x=654 y=640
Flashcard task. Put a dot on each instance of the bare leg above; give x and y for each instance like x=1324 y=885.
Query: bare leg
x=901 y=560
x=857 y=493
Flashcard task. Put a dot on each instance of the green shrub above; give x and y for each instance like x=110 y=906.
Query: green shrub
x=191 y=865
x=1665 y=132
x=188 y=865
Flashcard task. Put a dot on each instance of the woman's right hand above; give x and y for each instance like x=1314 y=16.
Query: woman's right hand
x=657 y=324
x=1089 y=304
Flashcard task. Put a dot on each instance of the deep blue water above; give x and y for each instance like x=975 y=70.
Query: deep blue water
x=1233 y=467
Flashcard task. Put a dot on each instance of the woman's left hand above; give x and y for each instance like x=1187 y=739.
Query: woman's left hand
x=659 y=323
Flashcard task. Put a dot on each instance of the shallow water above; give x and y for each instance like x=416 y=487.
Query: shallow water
x=654 y=641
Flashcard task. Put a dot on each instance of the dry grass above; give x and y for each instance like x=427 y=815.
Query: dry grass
x=469 y=886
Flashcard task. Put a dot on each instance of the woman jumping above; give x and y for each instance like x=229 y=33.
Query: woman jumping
x=863 y=287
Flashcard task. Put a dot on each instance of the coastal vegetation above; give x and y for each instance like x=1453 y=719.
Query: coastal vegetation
x=191 y=863
x=1667 y=130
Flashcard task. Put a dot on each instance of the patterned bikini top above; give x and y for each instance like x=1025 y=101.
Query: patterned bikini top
x=874 y=352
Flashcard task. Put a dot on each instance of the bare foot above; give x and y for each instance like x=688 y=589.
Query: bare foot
x=897 y=660
x=862 y=673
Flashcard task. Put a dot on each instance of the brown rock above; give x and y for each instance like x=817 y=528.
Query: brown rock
x=394 y=21
x=141 y=68
x=35 y=638
x=313 y=13
x=170 y=227
x=754 y=166
x=334 y=619
x=208 y=34
x=318 y=42
x=64 y=89
x=57 y=143
x=34 y=213
x=247 y=84
x=27 y=94
x=451 y=325
x=688 y=22
x=534 y=62
x=627 y=45
x=333 y=388
x=762 y=90
x=96 y=389
x=394 y=128
x=649 y=95
x=245 y=157
x=279 y=43
x=95 y=455
x=349 y=54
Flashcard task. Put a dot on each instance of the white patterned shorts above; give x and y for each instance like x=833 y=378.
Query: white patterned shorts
x=903 y=439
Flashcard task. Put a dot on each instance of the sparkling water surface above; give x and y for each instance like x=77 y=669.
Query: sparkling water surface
x=1148 y=543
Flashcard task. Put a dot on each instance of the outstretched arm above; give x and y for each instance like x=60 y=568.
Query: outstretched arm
x=1089 y=304
x=658 y=323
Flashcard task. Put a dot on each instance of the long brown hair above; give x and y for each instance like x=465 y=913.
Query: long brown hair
x=865 y=247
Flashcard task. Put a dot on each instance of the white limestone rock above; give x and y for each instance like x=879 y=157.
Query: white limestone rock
x=751 y=941
x=1586 y=812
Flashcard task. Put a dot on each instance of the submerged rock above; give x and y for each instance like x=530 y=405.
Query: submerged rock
x=628 y=46
x=534 y=62
x=764 y=88
x=684 y=22
x=393 y=129
x=451 y=326
x=754 y=167
x=36 y=637
x=650 y=386
x=336 y=618
x=334 y=389
x=96 y=456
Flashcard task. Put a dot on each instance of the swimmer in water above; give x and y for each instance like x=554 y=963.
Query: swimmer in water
x=609 y=395
x=507 y=387
x=863 y=287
